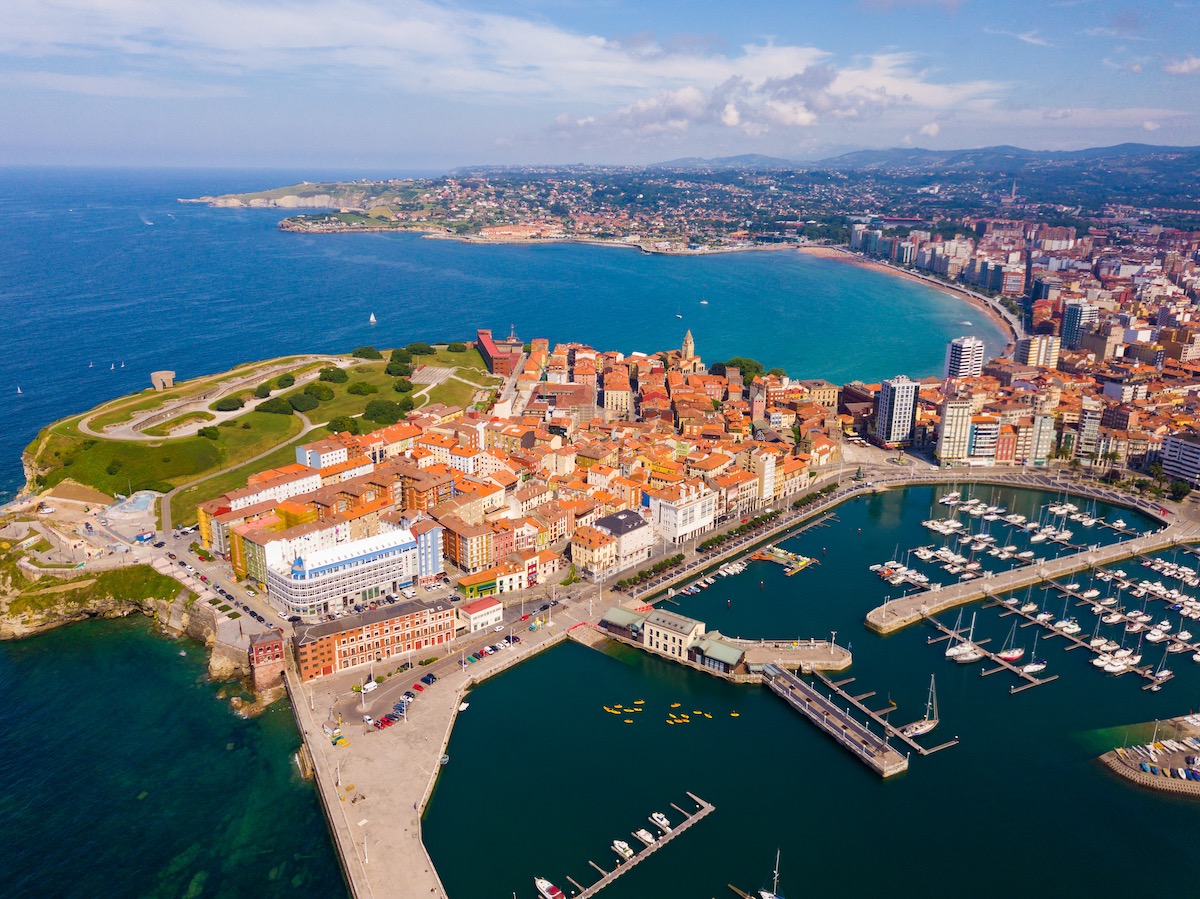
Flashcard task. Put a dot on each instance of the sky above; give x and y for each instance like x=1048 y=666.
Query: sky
x=417 y=85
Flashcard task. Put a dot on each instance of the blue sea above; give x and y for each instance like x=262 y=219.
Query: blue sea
x=105 y=277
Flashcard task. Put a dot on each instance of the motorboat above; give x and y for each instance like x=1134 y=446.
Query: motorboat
x=661 y=820
x=546 y=889
x=623 y=849
x=645 y=836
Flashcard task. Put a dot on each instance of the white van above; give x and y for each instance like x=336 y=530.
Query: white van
x=408 y=592
x=369 y=686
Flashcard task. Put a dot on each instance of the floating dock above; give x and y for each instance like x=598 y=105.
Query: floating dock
x=949 y=633
x=1049 y=630
x=880 y=717
x=872 y=750
x=792 y=562
x=689 y=818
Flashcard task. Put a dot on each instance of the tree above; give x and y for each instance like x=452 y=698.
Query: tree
x=778 y=372
x=1156 y=471
x=362 y=388
x=287 y=379
x=1178 y=490
x=456 y=348
x=405 y=403
x=303 y=402
x=402 y=385
x=333 y=375
x=322 y=393
x=367 y=352
x=420 y=349
x=210 y=432
x=344 y=424
x=384 y=412
x=750 y=368
x=400 y=355
x=229 y=403
x=276 y=405
x=263 y=390
x=399 y=369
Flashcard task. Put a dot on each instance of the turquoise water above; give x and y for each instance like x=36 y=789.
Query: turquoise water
x=125 y=774
x=1018 y=807
x=107 y=268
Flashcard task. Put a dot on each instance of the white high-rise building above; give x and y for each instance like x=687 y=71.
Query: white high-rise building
x=896 y=411
x=954 y=435
x=964 y=358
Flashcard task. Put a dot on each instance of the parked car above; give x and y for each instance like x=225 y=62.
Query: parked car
x=418 y=688
x=159 y=545
x=525 y=617
x=410 y=696
x=368 y=720
x=543 y=607
x=499 y=628
x=294 y=619
x=428 y=680
x=250 y=592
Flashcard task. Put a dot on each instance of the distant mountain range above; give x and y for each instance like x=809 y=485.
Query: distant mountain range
x=981 y=159
x=999 y=159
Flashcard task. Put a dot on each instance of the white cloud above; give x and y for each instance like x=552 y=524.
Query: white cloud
x=932 y=129
x=1189 y=65
x=1027 y=37
x=1149 y=125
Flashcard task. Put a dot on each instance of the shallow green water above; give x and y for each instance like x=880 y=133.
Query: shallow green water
x=1018 y=807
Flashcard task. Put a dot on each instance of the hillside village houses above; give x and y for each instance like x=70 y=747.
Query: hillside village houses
x=606 y=456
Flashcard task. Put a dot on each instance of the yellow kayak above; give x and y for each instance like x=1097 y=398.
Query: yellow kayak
x=706 y=715
x=674 y=705
x=639 y=702
x=629 y=721
x=734 y=714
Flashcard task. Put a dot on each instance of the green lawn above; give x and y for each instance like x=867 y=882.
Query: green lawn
x=183 y=505
x=446 y=359
x=119 y=466
x=123 y=408
x=135 y=582
x=452 y=393
x=162 y=430
x=345 y=403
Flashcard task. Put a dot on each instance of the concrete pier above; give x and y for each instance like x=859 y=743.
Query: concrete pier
x=852 y=734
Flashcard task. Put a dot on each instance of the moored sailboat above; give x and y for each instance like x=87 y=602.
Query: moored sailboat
x=930 y=720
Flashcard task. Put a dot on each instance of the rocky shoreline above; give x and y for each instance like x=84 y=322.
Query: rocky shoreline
x=178 y=617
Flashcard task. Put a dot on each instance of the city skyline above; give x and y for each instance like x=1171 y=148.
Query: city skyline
x=432 y=86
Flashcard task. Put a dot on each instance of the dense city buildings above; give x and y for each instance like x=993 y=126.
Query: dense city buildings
x=590 y=461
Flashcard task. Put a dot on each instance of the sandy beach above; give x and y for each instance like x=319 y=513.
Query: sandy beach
x=841 y=254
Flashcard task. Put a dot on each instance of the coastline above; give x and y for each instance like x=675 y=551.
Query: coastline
x=844 y=255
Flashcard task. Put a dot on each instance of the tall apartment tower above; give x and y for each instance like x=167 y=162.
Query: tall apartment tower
x=1078 y=319
x=896 y=411
x=1040 y=350
x=954 y=435
x=964 y=358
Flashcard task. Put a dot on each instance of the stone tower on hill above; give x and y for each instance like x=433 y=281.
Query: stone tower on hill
x=689 y=346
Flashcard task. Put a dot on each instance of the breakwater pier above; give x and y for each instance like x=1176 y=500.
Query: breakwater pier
x=868 y=747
